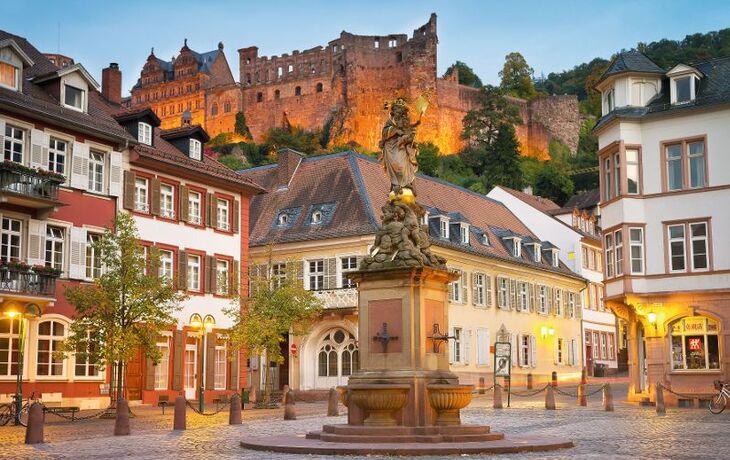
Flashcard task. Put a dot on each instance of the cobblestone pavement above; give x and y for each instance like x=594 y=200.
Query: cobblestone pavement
x=628 y=433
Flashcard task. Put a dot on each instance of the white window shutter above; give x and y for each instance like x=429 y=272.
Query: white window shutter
x=77 y=259
x=80 y=166
x=555 y=352
x=464 y=287
x=36 y=242
x=2 y=133
x=533 y=351
x=513 y=347
x=38 y=149
x=451 y=346
x=573 y=354
x=115 y=174
x=467 y=346
x=519 y=351
x=482 y=346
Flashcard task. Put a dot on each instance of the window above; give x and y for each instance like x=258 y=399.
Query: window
x=596 y=345
x=609 y=255
x=611 y=342
x=9 y=346
x=457 y=358
x=526 y=350
x=524 y=297
x=636 y=241
x=50 y=336
x=571 y=304
x=617 y=174
x=607 y=179
x=698 y=233
x=282 y=219
x=542 y=300
x=54 y=247
x=221 y=271
x=464 y=234
x=74 y=97
x=558 y=302
x=9 y=76
x=222 y=214
x=516 y=247
x=455 y=288
x=219 y=371
x=162 y=368
x=674 y=166
x=610 y=98
x=503 y=293
x=259 y=97
x=290 y=68
x=584 y=256
x=319 y=87
x=10 y=239
x=227 y=107
x=85 y=358
x=347 y=265
x=559 y=350
x=316 y=275
x=696 y=240
x=14 y=145
x=696 y=160
x=144 y=133
x=214 y=110
x=141 y=194
x=277 y=94
x=194 y=273
x=316 y=217
x=298 y=91
x=57 y=155
x=376 y=44
x=536 y=252
x=96 y=172
x=93 y=258
x=167 y=201
x=195 y=149
x=480 y=289
x=278 y=274
x=632 y=172
x=683 y=90
x=392 y=43
x=556 y=260
x=194 y=199
x=695 y=344
x=444 y=228
x=166 y=259
x=619 y=249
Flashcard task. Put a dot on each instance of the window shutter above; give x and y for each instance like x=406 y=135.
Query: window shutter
x=235 y=216
x=233 y=359
x=513 y=294
x=579 y=305
x=464 y=287
x=549 y=299
x=206 y=206
x=212 y=210
x=482 y=346
x=77 y=259
x=235 y=283
x=467 y=346
x=38 y=149
x=153 y=262
x=533 y=351
x=300 y=271
x=128 y=195
x=182 y=270
x=474 y=296
x=177 y=360
x=210 y=274
x=451 y=346
x=149 y=380
x=210 y=362
x=566 y=304
x=183 y=203
x=330 y=274
x=513 y=349
x=2 y=133
x=500 y=301
x=80 y=166
x=555 y=351
x=36 y=242
x=520 y=358
x=531 y=288
x=115 y=173
x=487 y=290
x=155 y=196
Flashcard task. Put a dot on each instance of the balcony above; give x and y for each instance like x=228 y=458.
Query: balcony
x=28 y=187
x=39 y=282
x=338 y=298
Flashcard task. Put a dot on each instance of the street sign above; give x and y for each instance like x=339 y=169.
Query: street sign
x=502 y=359
x=293 y=349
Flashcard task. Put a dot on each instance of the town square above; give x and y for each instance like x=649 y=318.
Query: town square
x=364 y=229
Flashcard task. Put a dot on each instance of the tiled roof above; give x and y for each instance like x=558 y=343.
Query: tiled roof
x=584 y=200
x=631 y=61
x=537 y=202
x=356 y=185
x=35 y=100
x=183 y=131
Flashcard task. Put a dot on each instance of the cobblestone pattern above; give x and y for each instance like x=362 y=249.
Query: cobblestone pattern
x=628 y=433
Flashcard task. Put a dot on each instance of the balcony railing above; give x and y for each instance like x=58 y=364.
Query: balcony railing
x=338 y=298
x=20 y=180
x=27 y=282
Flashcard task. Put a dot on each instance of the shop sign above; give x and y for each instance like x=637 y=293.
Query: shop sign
x=694 y=325
x=502 y=359
x=695 y=344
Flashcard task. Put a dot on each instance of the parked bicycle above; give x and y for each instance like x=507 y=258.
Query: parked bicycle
x=718 y=403
x=8 y=411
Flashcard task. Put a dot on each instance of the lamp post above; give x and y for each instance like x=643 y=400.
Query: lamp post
x=28 y=311
x=204 y=326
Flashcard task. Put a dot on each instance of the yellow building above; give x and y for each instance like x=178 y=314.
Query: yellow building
x=324 y=211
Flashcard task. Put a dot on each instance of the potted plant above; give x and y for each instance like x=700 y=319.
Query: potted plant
x=47 y=271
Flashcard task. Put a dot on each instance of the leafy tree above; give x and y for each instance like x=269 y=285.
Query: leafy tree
x=277 y=305
x=552 y=182
x=233 y=162
x=467 y=77
x=296 y=138
x=516 y=77
x=482 y=125
x=497 y=163
x=241 y=127
x=428 y=159
x=125 y=309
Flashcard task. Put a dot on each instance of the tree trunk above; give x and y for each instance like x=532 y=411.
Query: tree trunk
x=120 y=379
x=267 y=390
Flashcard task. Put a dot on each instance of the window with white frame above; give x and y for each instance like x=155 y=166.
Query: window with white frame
x=558 y=302
x=162 y=368
x=316 y=275
x=571 y=304
x=609 y=255
x=144 y=133
x=464 y=234
x=141 y=194
x=222 y=206
x=636 y=243
x=673 y=154
x=54 y=247
x=316 y=217
x=524 y=296
x=85 y=358
x=392 y=43
x=457 y=344
x=93 y=257
x=166 y=264
x=617 y=174
x=14 y=143
x=682 y=89
x=698 y=245
x=618 y=240
x=74 y=97
x=196 y=149
x=96 y=171
x=696 y=163
x=51 y=334
x=194 y=199
x=632 y=171
x=503 y=292
x=611 y=339
x=9 y=346
x=219 y=371
x=688 y=244
x=278 y=274
x=542 y=300
x=516 y=247
x=480 y=289
x=167 y=201
x=57 y=150
x=347 y=265
x=455 y=288
x=193 y=272
x=536 y=253
x=526 y=350
x=10 y=239
x=607 y=179
x=222 y=274
x=9 y=76
x=444 y=228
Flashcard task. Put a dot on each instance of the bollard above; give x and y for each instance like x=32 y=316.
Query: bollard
x=180 y=418
x=497 y=402
x=529 y=381
x=554 y=379
x=34 y=430
x=582 y=400
x=584 y=376
x=121 y=424
x=234 y=416
x=607 y=398
x=481 y=385
x=290 y=412
x=332 y=403
x=660 y=409
x=284 y=394
x=549 y=398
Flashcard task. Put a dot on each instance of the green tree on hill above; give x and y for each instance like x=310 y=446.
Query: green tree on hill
x=482 y=125
x=517 y=76
x=467 y=77
x=428 y=159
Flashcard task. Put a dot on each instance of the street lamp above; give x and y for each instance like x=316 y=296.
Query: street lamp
x=204 y=326
x=13 y=311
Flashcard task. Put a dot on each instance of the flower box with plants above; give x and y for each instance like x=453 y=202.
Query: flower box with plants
x=22 y=169
x=47 y=271
x=14 y=265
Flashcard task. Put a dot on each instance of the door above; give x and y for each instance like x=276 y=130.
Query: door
x=641 y=343
x=191 y=371
x=589 y=359
x=134 y=377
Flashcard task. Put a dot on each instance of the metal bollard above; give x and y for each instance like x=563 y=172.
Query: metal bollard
x=660 y=409
x=481 y=385
x=332 y=403
x=234 y=416
x=180 y=418
x=554 y=379
x=34 y=431
x=549 y=398
x=607 y=398
x=530 y=381
x=497 y=401
x=290 y=412
x=121 y=424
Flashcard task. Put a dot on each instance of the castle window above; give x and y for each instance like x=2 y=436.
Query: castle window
x=279 y=72
x=248 y=60
x=258 y=77
x=392 y=43
x=398 y=57
x=277 y=93
x=248 y=78
x=314 y=70
x=298 y=91
x=290 y=69
x=334 y=49
x=319 y=87
x=259 y=97
x=227 y=106
x=214 y=109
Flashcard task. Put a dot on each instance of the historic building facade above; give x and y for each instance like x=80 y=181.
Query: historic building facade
x=664 y=177
x=321 y=213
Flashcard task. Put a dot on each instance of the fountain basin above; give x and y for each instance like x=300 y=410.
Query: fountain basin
x=447 y=400
x=379 y=401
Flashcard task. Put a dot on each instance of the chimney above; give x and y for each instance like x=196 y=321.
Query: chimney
x=111 y=83
x=288 y=161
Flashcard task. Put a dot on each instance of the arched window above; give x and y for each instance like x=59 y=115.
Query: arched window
x=338 y=355
x=227 y=107
x=214 y=109
x=259 y=97
x=298 y=91
x=277 y=93
x=9 y=346
x=50 y=335
x=695 y=344
x=319 y=87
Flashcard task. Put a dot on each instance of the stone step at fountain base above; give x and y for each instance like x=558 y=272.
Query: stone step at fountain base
x=404 y=434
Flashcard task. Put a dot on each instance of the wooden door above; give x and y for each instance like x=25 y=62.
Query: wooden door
x=134 y=377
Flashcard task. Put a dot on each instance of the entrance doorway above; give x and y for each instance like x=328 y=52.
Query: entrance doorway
x=641 y=343
x=191 y=371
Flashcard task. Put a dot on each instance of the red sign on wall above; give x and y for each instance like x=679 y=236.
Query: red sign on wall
x=695 y=344
x=293 y=349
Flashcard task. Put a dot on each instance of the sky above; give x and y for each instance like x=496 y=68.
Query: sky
x=552 y=35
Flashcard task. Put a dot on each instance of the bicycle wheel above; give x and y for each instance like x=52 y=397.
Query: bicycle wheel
x=717 y=404
x=24 y=414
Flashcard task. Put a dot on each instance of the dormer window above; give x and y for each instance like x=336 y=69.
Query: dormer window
x=196 y=149
x=610 y=100
x=144 y=133
x=555 y=261
x=282 y=219
x=464 y=234
x=485 y=239
x=683 y=90
x=316 y=217
x=9 y=76
x=537 y=254
x=424 y=221
x=74 y=98
x=516 y=247
x=444 y=228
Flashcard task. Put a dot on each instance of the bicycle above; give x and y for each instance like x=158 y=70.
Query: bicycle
x=8 y=410
x=718 y=403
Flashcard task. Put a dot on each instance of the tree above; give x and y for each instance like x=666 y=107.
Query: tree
x=501 y=160
x=466 y=75
x=552 y=182
x=125 y=309
x=233 y=162
x=295 y=137
x=482 y=125
x=241 y=127
x=516 y=77
x=277 y=305
x=428 y=159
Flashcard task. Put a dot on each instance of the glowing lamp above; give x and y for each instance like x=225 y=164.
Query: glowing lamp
x=544 y=331
x=651 y=317
x=196 y=321
x=551 y=331
x=208 y=323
